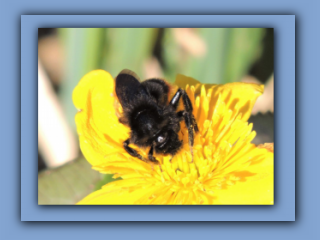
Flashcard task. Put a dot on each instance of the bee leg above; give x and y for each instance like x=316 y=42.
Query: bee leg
x=187 y=106
x=176 y=98
x=153 y=159
x=186 y=115
x=131 y=151
x=188 y=119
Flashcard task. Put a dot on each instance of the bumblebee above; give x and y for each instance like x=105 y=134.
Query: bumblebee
x=153 y=119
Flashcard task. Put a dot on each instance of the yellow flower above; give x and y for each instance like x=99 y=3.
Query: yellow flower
x=226 y=169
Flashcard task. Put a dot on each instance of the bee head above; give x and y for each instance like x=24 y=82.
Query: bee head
x=167 y=142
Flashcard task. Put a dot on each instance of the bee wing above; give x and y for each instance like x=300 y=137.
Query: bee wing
x=128 y=87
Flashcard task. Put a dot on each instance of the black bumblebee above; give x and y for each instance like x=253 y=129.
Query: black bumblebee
x=153 y=120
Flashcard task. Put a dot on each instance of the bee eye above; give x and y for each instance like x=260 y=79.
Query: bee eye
x=160 y=139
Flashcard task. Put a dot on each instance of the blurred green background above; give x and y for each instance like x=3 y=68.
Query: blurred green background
x=210 y=55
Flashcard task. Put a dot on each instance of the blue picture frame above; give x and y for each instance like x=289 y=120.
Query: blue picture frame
x=284 y=206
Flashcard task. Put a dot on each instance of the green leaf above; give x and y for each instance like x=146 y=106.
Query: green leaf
x=106 y=179
x=209 y=68
x=172 y=55
x=83 y=52
x=243 y=48
x=230 y=52
x=128 y=48
x=67 y=184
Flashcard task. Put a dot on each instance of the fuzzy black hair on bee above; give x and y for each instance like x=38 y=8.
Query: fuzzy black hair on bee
x=153 y=120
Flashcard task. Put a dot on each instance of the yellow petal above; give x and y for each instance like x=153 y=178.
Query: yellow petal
x=237 y=96
x=123 y=192
x=99 y=130
x=268 y=146
x=255 y=186
x=182 y=81
x=116 y=197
